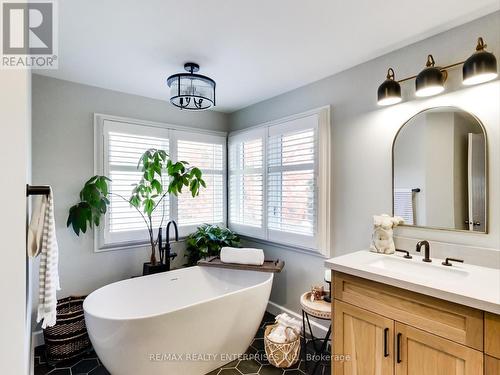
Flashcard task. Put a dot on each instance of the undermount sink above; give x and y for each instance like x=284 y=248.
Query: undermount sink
x=463 y=283
x=420 y=270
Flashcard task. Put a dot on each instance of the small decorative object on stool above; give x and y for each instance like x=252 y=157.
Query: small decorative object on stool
x=317 y=293
x=68 y=338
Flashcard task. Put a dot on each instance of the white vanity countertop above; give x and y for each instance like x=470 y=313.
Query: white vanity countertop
x=466 y=284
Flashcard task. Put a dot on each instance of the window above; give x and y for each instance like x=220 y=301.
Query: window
x=246 y=169
x=279 y=181
x=207 y=153
x=119 y=145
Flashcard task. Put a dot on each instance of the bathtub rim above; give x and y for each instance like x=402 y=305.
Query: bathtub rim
x=266 y=281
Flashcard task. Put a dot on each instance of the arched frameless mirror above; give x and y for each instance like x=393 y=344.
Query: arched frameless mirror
x=440 y=171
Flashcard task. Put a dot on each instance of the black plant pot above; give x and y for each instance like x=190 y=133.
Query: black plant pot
x=149 y=269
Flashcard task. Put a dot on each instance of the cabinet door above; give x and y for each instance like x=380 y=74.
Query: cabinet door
x=492 y=334
x=419 y=352
x=491 y=365
x=362 y=342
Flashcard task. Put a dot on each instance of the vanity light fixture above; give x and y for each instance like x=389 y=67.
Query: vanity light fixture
x=389 y=92
x=190 y=90
x=430 y=81
x=478 y=68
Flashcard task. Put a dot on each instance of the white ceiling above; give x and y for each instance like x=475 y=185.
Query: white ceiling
x=254 y=49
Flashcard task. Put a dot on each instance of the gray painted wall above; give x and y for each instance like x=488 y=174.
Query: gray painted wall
x=63 y=157
x=362 y=135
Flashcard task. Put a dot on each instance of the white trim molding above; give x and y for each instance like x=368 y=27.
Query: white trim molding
x=103 y=240
x=320 y=121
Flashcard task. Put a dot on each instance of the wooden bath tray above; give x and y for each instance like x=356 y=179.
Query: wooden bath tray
x=273 y=266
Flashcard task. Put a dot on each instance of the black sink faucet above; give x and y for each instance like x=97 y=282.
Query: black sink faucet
x=168 y=255
x=427 y=248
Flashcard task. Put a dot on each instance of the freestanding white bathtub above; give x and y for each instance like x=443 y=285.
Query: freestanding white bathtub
x=183 y=322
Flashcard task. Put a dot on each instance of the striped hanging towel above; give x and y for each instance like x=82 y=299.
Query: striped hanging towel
x=49 y=259
x=404 y=205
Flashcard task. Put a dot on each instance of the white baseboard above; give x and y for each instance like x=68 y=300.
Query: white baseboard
x=319 y=330
x=37 y=339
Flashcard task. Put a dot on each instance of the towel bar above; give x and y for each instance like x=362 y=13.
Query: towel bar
x=37 y=190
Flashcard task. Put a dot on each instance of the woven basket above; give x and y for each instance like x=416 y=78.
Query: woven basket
x=68 y=338
x=281 y=355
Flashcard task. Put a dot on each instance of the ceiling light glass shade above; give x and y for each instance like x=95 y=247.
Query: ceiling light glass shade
x=480 y=67
x=190 y=90
x=429 y=81
x=389 y=92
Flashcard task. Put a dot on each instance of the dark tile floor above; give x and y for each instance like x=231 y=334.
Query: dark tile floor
x=254 y=363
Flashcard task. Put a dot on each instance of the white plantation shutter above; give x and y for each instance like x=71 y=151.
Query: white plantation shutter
x=120 y=142
x=279 y=181
x=246 y=183
x=123 y=146
x=291 y=194
x=206 y=152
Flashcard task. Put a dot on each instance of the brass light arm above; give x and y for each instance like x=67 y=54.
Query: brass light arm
x=443 y=69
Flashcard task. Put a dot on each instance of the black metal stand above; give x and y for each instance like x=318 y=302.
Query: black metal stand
x=322 y=351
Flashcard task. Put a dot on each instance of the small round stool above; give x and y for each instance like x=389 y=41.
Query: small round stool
x=320 y=310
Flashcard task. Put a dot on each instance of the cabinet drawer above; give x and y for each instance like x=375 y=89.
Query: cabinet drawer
x=492 y=334
x=455 y=322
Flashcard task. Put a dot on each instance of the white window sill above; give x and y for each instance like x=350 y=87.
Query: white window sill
x=288 y=247
x=129 y=245
x=145 y=244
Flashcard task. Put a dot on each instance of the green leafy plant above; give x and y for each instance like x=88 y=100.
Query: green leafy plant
x=145 y=197
x=207 y=241
x=93 y=203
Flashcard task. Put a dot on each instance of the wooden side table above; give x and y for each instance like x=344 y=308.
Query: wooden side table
x=320 y=310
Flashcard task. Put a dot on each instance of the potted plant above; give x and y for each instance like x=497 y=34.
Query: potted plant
x=145 y=197
x=207 y=241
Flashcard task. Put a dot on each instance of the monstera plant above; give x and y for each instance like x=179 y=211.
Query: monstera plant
x=145 y=196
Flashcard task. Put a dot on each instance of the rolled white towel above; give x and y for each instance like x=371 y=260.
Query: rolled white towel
x=281 y=334
x=245 y=255
x=287 y=321
x=278 y=334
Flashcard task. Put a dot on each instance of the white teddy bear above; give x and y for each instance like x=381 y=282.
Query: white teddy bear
x=382 y=238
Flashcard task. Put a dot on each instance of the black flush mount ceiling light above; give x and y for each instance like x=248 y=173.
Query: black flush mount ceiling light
x=190 y=90
x=478 y=68
x=389 y=92
x=430 y=81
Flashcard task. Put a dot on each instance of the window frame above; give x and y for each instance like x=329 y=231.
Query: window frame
x=101 y=168
x=284 y=237
x=201 y=138
x=248 y=230
x=321 y=241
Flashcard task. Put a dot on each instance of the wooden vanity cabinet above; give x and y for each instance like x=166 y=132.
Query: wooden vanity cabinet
x=383 y=330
